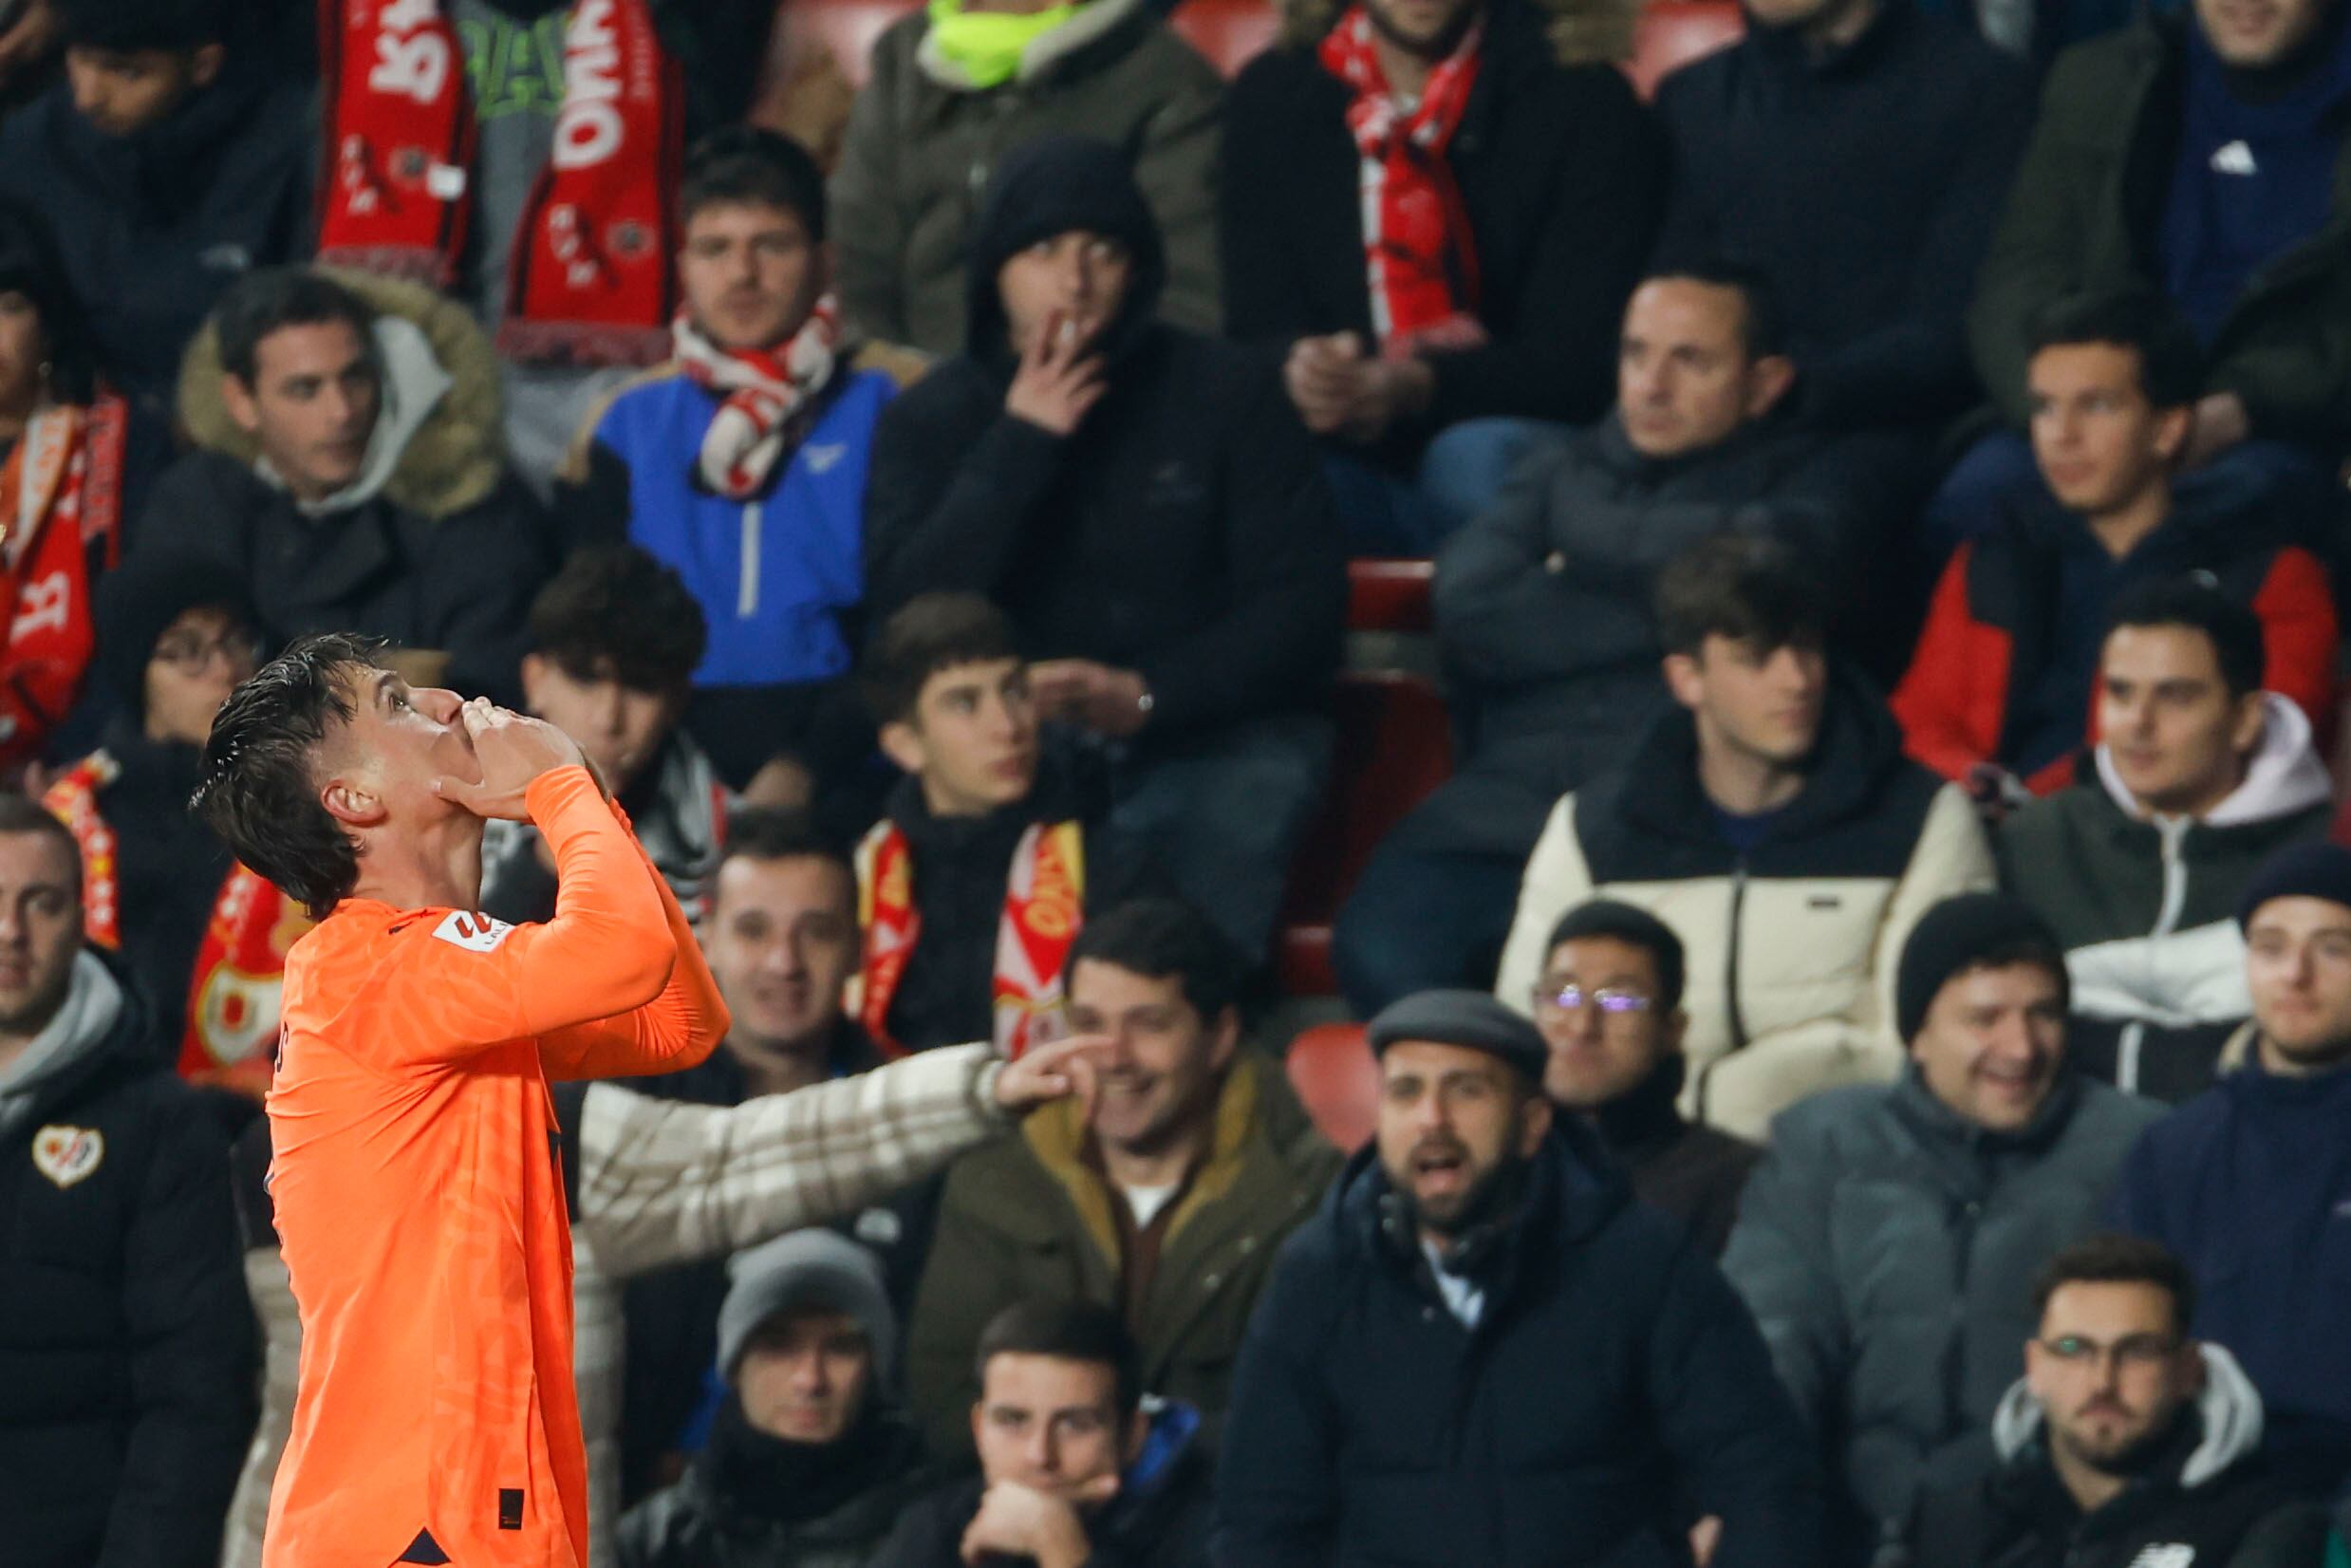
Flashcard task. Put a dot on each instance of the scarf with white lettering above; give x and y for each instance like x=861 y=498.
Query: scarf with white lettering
x=767 y=397
x=592 y=280
x=61 y=513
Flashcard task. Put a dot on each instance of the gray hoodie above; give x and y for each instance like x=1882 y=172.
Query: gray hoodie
x=78 y=1031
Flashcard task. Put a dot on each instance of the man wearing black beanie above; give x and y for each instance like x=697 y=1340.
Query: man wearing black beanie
x=1888 y=1242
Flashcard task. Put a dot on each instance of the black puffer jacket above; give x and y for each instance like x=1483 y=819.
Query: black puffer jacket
x=126 y=1344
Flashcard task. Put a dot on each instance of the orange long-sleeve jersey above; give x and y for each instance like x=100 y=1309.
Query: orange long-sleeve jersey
x=420 y=1204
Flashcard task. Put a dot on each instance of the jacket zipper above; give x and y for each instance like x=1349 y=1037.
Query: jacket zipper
x=747 y=567
x=2171 y=835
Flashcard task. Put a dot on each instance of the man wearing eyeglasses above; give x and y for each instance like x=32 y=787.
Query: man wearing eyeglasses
x=2125 y=1444
x=1609 y=1005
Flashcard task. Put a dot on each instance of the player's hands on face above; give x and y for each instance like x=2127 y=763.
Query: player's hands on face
x=1021 y=1521
x=1048 y=1073
x=513 y=748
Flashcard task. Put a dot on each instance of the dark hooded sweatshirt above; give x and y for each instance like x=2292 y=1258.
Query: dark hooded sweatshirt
x=1182 y=531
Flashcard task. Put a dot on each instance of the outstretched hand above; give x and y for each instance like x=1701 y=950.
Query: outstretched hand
x=1049 y=1073
x=513 y=748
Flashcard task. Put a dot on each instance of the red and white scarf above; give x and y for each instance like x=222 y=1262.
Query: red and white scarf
x=591 y=277
x=1418 y=250
x=62 y=485
x=1044 y=902
x=767 y=397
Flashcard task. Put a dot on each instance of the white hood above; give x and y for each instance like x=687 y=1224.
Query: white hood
x=2230 y=1406
x=2284 y=775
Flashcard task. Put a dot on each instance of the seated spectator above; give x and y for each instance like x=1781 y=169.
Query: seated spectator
x=204 y=939
x=175 y=156
x=1579 y=1378
x=1773 y=822
x=974 y=886
x=614 y=639
x=1542 y=613
x=1439 y=216
x=1146 y=508
x=742 y=463
x=126 y=1341
x=1166 y=1202
x=2247 y=1182
x=2195 y=152
x=1856 y=155
x=2126 y=1442
x=2201 y=776
x=343 y=464
x=1888 y=1241
x=955 y=91
x=69 y=458
x=1999 y=691
x=809 y=1464
x=1609 y=1005
x=1075 y=1472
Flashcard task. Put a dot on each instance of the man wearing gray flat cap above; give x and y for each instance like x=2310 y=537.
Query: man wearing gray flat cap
x=1484 y=1350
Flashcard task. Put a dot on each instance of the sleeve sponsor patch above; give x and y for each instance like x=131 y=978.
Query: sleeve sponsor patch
x=475 y=933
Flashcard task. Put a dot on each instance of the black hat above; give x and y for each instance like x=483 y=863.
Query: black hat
x=1049 y=186
x=139 y=600
x=1471 y=1019
x=2317 y=869
x=1958 y=933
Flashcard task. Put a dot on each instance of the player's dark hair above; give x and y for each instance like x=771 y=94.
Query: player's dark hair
x=614 y=611
x=2112 y=1259
x=21 y=813
x=1066 y=1331
x=2171 y=360
x=2197 y=604
x=1635 y=928
x=746 y=165
x=1163 y=937
x=275 y=298
x=928 y=633
x=259 y=789
x=1747 y=587
x=1762 y=329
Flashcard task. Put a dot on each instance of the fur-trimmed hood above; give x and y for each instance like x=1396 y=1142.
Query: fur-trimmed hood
x=443 y=447
x=1582 y=31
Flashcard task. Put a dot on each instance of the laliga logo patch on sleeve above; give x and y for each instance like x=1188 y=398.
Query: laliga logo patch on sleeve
x=67 y=1154
x=473 y=932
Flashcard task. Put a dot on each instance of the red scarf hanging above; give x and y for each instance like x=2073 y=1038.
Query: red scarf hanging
x=1044 y=898
x=1419 y=253
x=61 y=513
x=590 y=280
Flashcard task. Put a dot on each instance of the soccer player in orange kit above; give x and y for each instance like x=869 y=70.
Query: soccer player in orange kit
x=414 y=1172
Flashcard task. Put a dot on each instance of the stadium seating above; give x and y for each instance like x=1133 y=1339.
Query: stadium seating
x=1390 y=595
x=1337 y=1082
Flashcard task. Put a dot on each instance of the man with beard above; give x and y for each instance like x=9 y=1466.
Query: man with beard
x=1484 y=1350
x=2126 y=1442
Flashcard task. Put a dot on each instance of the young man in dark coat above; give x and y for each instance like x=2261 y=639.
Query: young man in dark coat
x=126 y=1344
x=1145 y=507
x=1482 y=1351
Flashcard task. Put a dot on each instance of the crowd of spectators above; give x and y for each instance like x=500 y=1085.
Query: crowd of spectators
x=1854 y=1060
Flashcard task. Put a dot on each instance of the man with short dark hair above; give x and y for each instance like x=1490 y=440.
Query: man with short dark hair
x=1165 y=1199
x=2201 y=775
x=126 y=1350
x=1482 y=1349
x=1073 y=1471
x=1541 y=610
x=1888 y=1242
x=1999 y=690
x=1609 y=1005
x=2125 y=1444
x=341 y=466
x=1772 y=821
x=173 y=156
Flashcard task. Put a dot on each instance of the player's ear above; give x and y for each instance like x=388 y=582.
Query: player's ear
x=351 y=805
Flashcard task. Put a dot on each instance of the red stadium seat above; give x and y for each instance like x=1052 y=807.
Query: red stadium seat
x=1337 y=1082
x=1229 y=32
x=1675 y=32
x=1390 y=595
x=1394 y=746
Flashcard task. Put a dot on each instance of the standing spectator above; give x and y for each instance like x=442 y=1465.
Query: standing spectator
x=204 y=939
x=1543 y=608
x=1999 y=691
x=992 y=855
x=2126 y=1443
x=1609 y=1005
x=1855 y=152
x=172 y=158
x=1888 y=1241
x=1773 y=822
x=1438 y=216
x=1165 y=1201
x=742 y=463
x=2202 y=776
x=954 y=92
x=2249 y=1181
x=1482 y=1350
x=614 y=639
x=126 y=1350
x=1073 y=1471
x=809 y=1464
x=1145 y=507
x=345 y=466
